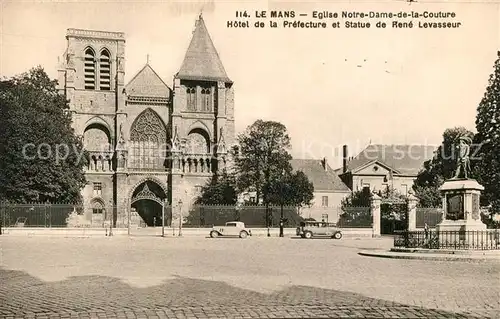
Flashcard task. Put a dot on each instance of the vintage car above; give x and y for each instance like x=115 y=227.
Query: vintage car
x=310 y=229
x=231 y=229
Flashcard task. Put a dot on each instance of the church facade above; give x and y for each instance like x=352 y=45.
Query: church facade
x=147 y=142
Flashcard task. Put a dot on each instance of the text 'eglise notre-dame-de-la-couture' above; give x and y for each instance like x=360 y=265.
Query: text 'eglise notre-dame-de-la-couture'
x=354 y=19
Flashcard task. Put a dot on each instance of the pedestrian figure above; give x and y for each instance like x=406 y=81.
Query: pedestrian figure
x=426 y=231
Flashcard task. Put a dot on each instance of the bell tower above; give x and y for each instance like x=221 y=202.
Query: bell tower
x=91 y=77
x=202 y=117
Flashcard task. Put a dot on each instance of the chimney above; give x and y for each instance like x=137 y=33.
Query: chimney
x=344 y=159
x=324 y=163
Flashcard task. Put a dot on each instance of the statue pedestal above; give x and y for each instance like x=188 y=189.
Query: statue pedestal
x=461 y=211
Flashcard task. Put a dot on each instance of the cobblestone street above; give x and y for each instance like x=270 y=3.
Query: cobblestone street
x=225 y=278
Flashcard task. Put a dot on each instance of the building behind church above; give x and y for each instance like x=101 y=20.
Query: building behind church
x=144 y=138
x=378 y=167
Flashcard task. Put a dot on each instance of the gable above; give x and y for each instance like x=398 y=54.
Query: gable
x=374 y=168
x=405 y=159
x=147 y=83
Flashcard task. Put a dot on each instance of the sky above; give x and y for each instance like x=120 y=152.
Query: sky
x=328 y=86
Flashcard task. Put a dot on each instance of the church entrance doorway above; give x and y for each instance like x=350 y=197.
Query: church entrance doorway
x=148 y=205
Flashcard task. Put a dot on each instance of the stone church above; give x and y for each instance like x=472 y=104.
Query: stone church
x=147 y=142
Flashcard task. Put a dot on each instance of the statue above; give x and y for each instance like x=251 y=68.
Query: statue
x=463 y=162
x=121 y=140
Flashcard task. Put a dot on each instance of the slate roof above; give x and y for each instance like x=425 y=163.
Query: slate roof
x=202 y=61
x=403 y=159
x=147 y=83
x=321 y=179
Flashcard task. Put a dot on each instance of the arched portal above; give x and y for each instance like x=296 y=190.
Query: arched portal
x=147 y=200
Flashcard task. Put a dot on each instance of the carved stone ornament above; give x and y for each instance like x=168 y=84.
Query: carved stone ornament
x=148 y=127
x=120 y=64
x=176 y=143
x=121 y=140
x=145 y=193
x=221 y=145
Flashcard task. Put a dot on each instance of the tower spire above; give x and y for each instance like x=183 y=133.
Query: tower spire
x=202 y=62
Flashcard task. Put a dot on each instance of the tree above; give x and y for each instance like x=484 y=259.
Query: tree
x=262 y=157
x=487 y=168
x=41 y=157
x=360 y=198
x=220 y=190
x=356 y=209
x=292 y=190
x=441 y=167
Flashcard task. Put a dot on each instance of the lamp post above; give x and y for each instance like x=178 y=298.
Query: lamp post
x=164 y=202
x=180 y=217
x=268 y=220
x=129 y=218
x=281 y=201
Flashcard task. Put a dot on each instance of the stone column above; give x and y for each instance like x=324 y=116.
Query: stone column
x=412 y=212
x=375 y=209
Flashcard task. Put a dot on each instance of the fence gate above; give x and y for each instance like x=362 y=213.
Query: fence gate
x=394 y=215
x=146 y=219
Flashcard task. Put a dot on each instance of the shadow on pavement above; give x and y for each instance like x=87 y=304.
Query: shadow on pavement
x=22 y=295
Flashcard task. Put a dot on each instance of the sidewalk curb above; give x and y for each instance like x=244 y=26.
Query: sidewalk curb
x=428 y=256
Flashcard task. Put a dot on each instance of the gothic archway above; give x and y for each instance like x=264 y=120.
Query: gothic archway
x=96 y=137
x=198 y=142
x=147 y=199
x=148 y=138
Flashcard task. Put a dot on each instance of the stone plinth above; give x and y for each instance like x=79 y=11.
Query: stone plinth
x=461 y=211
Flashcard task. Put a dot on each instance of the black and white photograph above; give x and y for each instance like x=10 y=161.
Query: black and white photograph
x=249 y=159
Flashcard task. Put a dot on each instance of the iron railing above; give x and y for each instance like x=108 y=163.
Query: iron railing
x=430 y=216
x=456 y=240
x=61 y=215
x=252 y=216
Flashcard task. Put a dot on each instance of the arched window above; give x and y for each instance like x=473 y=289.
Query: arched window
x=97 y=207
x=96 y=137
x=90 y=69
x=191 y=98
x=198 y=142
x=148 y=136
x=105 y=71
x=206 y=100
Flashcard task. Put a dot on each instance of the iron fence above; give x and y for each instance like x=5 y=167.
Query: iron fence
x=252 y=216
x=355 y=217
x=428 y=215
x=259 y=216
x=458 y=240
x=61 y=215
x=36 y=215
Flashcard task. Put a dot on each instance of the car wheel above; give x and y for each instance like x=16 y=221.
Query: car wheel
x=308 y=235
x=337 y=235
x=214 y=234
x=243 y=234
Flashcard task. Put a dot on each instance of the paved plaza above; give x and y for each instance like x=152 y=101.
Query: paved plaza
x=151 y=277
